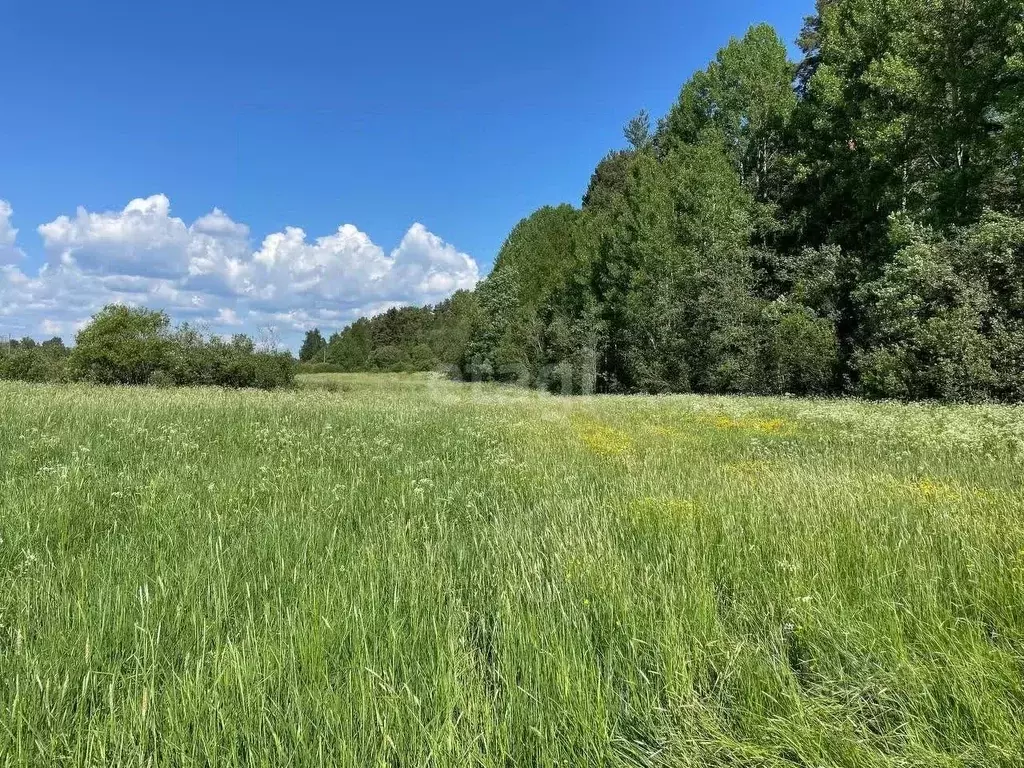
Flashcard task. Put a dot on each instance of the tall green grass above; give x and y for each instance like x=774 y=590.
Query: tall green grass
x=378 y=571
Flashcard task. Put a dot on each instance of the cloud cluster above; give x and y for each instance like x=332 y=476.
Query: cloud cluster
x=8 y=234
x=208 y=272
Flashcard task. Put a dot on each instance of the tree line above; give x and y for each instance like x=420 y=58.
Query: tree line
x=850 y=222
x=134 y=345
x=403 y=339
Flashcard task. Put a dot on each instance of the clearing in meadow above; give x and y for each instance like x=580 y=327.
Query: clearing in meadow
x=385 y=571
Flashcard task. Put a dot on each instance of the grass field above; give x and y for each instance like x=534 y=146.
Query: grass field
x=400 y=571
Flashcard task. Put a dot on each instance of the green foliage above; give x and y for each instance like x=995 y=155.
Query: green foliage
x=638 y=131
x=500 y=343
x=608 y=182
x=26 y=360
x=907 y=109
x=454 y=320
x=649 y=270
x=540 y=250
x=121 y=345
x=506 y=341
x=161 y=379
x=745 y=100
x=129 y=345
x=314 y=347
x=946 y=318
x=350 y=349
x=845 y=223
x=237 y=363
x=671 y=274
x=407 y=338
x=572 y=340
x=800 y=351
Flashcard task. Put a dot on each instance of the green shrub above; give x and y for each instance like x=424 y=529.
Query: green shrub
x=800 y=351
x=122 y=345
x=943 y=319
x=161 y=378
x=136 y=346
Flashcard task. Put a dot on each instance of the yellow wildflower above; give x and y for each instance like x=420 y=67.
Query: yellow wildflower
x=602 y=439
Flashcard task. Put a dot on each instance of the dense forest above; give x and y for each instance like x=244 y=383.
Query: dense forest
x=401 y=339
x=850 y=222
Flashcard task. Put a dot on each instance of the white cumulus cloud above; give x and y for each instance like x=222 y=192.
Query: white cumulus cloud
x=8 y=234
x=143 y=239
x=208 y=272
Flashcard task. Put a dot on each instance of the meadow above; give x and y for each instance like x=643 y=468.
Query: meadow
x=402 y=571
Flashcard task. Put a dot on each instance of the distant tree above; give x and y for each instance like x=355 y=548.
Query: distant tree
x=130 y=345
x=638 y=131
x=744 y=101
x=54 y=345
x=313 y=347
x=351 y=348
x=688 y=311
x=648 y=324
x=498 y=348
x=122 y=345
x=389 y=357
x=540 y=249
x=537 y=257
x=453 y=323
x=608 y=181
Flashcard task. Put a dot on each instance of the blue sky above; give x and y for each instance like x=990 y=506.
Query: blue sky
x=459 y=117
